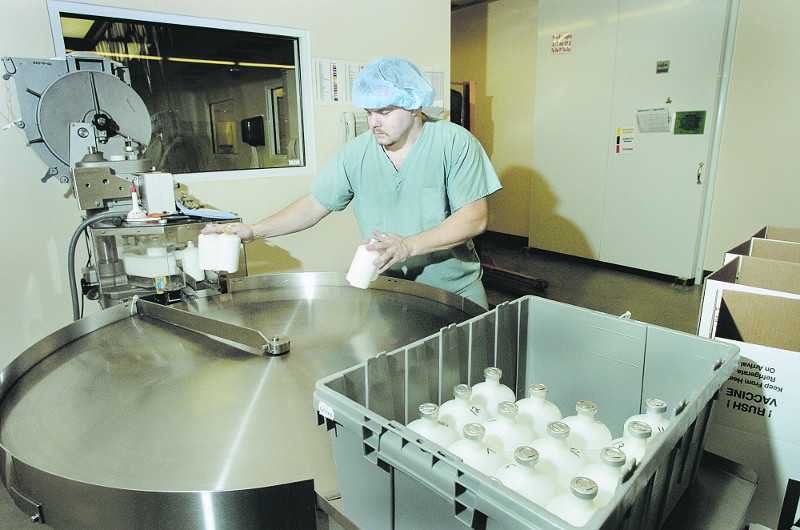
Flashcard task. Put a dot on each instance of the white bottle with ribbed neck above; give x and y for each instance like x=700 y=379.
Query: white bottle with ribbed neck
x=429 y=426
x=577 y=505
x=474 y=452
x=504 y=433
x=491 y=391
x=556 y=456
x=460 y=410
x=634 y=441
x=605 y=473
x=586 y=432
x=536 y=411
x=522 y=476
x=655 y=416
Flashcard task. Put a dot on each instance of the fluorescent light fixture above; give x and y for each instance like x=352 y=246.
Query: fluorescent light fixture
x=205 y=61
x=128 y=55
x=75 y=28
x=267 y=65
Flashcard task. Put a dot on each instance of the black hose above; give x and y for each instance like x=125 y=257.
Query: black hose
x=73 y=287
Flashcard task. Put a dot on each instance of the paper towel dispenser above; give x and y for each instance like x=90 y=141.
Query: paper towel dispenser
x=253 y=131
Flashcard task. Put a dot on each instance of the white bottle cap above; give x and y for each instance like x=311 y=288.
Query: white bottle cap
x=639 y=429
x=474 y=431
x=526 y=455
x=462 y=391
x=508 y=409
x=655 y=405
x=583 y=487
x=558 y=430
x=536 y=389
x=612 y=456
x=493 y=373
x=586 y=408
x=428 y=410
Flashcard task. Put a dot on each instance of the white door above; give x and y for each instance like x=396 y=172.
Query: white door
x=641 y=207
x=654 y=197
x=572 y=100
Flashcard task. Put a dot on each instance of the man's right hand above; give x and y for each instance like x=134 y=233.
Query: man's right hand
x=243 y=231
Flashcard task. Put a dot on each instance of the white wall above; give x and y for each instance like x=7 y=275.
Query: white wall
x=757 y=183
x=40 y=218
x=758 y=178
x=494 y=44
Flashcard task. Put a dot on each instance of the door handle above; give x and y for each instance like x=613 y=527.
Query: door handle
x=700 y=173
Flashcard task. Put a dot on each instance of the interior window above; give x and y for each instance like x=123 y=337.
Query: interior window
x=219 y=99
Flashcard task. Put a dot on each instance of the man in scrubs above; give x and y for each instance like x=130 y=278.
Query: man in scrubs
x=419 y=186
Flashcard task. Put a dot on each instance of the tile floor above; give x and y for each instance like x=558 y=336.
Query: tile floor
x=649 y=298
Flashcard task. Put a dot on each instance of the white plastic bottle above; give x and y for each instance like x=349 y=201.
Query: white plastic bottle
x=362 y=271
x=605 y=473
x=536 y=411
x=228 y=247
x=577 y=505
x=460 y=410
x=207 y=251
x=472 y=449
x=556 y=456
x=429 y=426
x=504 y=433
x=587 y=433
x=522 y=476
x=634 y=442
x=191 y=262
x=489 y=393
x=655 y=416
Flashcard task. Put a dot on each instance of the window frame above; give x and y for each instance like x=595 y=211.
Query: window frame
x=56 y=7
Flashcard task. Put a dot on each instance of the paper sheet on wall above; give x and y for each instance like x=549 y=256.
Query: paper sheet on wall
x=625 y=141
x=333 y=81
x=653 y=120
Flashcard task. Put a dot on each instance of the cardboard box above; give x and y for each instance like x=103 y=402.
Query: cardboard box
x=768 y=249
x=749 y=274
x=772 y=233
x=755 y=420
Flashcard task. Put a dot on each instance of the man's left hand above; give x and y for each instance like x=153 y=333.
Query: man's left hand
x=393 y=249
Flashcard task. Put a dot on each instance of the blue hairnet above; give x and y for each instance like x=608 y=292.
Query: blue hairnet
x=392 y=81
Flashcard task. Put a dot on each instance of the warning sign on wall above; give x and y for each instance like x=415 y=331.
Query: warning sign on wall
x=562 y=43
x=624 y=142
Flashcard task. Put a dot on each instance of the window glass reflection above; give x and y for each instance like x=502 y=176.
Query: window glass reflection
x=208 y=91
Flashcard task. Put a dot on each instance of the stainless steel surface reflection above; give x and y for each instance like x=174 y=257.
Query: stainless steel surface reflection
x=133 y=403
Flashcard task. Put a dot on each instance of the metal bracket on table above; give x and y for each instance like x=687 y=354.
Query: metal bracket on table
x=30 y=507
x=209 y=326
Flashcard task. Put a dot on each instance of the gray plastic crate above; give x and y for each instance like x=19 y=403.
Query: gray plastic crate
x=390 y=477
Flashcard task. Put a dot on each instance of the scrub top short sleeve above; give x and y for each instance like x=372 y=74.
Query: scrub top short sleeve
x=446 y=169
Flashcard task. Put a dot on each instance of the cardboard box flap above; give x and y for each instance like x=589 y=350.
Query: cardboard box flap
x=770 y=321
x=772 y=233
x=777 y=250
x=768 y=274
x=782 y=233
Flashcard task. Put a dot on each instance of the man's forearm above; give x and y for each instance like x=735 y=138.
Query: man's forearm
x=465 y=223
x=303 y=213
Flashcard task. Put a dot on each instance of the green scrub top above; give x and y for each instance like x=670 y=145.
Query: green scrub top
x=446 y=169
